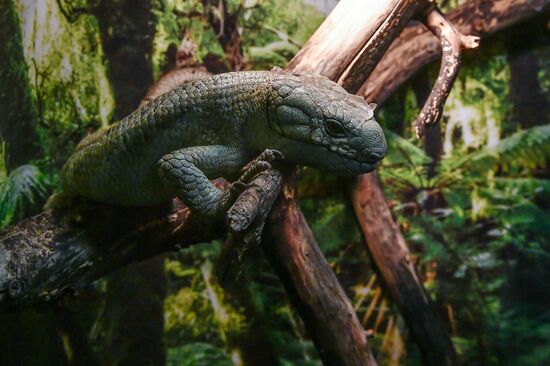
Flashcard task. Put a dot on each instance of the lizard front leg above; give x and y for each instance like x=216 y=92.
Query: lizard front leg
x=188 y=172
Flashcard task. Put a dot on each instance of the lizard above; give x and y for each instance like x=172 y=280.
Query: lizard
x=213 y=127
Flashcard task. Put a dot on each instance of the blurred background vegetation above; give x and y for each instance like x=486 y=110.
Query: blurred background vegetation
x=473 y=200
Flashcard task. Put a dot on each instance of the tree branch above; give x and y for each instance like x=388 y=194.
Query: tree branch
x=403 y=282
x=416 y=46
x=246 y=220
x=369 y=55
x=62 y=250
x=393 y=259
x=313 y=287
x=452 y=43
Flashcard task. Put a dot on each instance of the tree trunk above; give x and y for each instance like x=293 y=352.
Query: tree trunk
x=225 y=26
x=127 y=30
x=135 y=295
x=17 y=110
x=26 y=337
x=433 y=144
x=530 y=105
x=134 y=314
x=433 y=141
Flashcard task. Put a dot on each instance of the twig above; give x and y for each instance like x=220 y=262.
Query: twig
x=452 y=43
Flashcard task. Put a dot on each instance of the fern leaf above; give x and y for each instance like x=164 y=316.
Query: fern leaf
x=525 y=150
x=23 y=193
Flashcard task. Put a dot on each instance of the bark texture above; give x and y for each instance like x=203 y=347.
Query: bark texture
x=396 y=266
x=61 y=251
x=340 y=44
x=320 y=300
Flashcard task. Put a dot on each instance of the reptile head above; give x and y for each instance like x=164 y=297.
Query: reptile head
x=319 y=124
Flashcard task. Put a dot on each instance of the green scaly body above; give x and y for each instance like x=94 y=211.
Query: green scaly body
x=212 y=127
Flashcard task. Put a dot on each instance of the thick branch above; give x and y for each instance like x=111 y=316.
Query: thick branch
x=392 y=258
x=313 y=287
x=452 y=42
x=342 y=39
x=393 y=22
x=64 y=250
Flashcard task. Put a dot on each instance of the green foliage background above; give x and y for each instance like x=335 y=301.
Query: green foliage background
x=483 y=254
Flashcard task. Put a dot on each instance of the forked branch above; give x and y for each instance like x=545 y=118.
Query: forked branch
x=452 y=43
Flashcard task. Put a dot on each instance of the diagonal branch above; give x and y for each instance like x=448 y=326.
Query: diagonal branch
x=313 y=287
x=452 y=43
x=62 y=250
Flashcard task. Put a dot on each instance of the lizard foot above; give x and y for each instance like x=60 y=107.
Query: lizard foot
x=251 y=170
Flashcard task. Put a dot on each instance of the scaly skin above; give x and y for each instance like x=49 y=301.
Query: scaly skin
x=213 y=127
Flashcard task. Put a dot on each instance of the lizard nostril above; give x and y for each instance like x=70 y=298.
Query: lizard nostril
x=371 y=156
x=377 y=155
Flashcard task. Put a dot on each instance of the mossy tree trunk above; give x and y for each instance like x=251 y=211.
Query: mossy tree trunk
x=18 y=115
x=134 y=310
x=28 y=337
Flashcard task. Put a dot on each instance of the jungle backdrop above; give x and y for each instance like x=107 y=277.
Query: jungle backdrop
x=473 y=200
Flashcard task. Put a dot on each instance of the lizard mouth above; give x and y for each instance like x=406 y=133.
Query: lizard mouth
x=355 y=167
x=363 y=161
x=348 y=163
x=366 y=155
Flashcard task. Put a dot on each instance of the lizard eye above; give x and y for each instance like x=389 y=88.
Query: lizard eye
x=335 y=128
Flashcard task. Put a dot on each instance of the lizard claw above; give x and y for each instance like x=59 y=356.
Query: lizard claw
x=271 y=155
x=267 y=156
x=252 y=169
